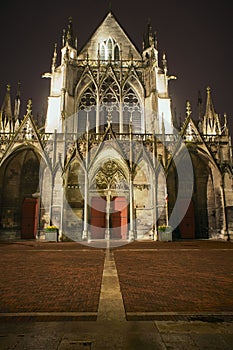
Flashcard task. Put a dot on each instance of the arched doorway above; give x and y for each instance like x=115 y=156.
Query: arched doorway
x=73 y=208
x=19 y=181
x=109 y=203
x=199 y=215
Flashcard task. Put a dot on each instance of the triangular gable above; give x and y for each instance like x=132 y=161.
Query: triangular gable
x=109 y=28
x=26 y=133
x=109 y=135
x=190 y=132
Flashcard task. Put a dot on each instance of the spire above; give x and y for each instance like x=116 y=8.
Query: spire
x=6 y=111
x=188 y=109
x=29 y=107
x=211 y=123
x=17 y=106
x=209 y=105
x=68 y=36
x=225 y=126
x=54 y=60
x=164 y=62
x=149 y=37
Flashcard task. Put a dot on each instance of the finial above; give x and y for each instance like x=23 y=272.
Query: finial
x=188 y=109
x=225 y=120
x=8 y=88
x=68 y=35
x=164 y=61
x=63 y=37
x=54 y=56
x=208 y=90
x=29 y=106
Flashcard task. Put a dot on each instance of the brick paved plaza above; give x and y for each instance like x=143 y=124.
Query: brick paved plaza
x=176 y=280
x=49 y=277
x=137 y=296
x=188 y=277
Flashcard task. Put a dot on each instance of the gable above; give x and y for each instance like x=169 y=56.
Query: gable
x=191 y=132
x=109 y=29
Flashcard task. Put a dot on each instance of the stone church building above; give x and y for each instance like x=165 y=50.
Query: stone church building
x=111 y=161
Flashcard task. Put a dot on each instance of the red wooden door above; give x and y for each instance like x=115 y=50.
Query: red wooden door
x=187 y=225
x=98 y=218
x=29 y=218
x=119 y=218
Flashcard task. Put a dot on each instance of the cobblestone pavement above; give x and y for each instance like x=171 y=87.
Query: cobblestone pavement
x=177 y=295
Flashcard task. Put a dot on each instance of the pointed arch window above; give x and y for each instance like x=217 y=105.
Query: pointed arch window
x=109 y=103
x=87 y=110
x=116 y=53
x=110 y=46
x=102 y=52
x=109 y=50
x=132 y=110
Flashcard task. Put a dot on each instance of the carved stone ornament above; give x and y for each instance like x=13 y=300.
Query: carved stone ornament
x=110 y=177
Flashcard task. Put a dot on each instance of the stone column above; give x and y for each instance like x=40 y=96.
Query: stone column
x=131 y=208
x=85 y=235
x=85 y=209
x=108 y=203
x=131 y=194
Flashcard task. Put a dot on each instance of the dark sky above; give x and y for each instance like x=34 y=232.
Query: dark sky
x=196 y=35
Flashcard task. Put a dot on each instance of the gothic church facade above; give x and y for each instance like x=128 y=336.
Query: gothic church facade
x=111 y=161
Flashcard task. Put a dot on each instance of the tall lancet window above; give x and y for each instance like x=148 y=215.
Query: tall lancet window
x=116 y=53
x=87 y=110
x=109 y=103
x=109 y=50
x=132 y=110
x=102 y=51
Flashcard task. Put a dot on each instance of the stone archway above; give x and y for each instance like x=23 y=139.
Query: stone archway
x=19 y=179
x=201 y=214
x=109 y=203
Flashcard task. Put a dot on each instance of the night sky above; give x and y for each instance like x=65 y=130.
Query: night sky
x=197 y=37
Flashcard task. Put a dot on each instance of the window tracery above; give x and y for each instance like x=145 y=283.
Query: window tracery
x=109 y=104
x=132 y=111
x=109 y=50
x=87 y=109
